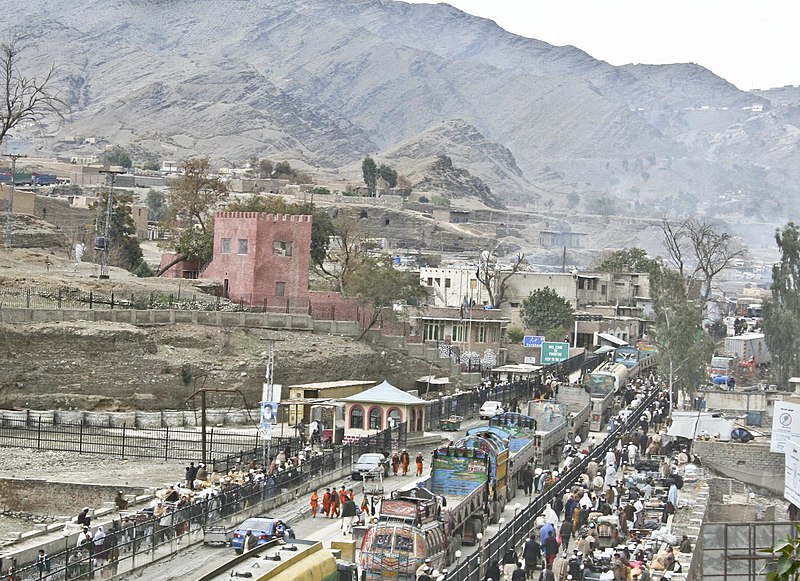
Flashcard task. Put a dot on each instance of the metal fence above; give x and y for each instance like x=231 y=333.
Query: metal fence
x=64 y=297
x=132 y=442
x=151 y=536
x=735 y=551
x=518 y=528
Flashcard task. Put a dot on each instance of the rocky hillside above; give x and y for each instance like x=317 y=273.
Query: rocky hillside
x=324 y=82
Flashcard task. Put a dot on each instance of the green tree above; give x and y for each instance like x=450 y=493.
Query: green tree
x=627 y=260
x=370 y=172
x=283 y=170
x=387 y=175
x=124 y=251
x=117 y=156
x=193 y=198
x=782 y=311
x=156 y=206
x=545 y=309
x=375 y=283
x=151 y=166
x=679 y=331
x=23 y=98
x=515 y=335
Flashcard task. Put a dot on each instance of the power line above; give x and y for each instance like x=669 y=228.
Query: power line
x=9 y=216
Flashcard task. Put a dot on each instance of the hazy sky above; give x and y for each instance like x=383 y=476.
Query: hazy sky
x=753 y=44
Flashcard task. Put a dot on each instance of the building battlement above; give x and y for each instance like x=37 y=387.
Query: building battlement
x=263 y=216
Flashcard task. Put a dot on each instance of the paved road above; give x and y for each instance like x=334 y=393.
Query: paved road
x=197 y=559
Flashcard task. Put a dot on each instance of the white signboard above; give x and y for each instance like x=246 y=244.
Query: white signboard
x=785 y=424
x=530 y=360
x=791 y=486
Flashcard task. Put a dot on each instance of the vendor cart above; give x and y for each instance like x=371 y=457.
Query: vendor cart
x=215 y=535
x=451 y=424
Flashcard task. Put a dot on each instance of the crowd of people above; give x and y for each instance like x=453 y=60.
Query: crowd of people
x=609 y=524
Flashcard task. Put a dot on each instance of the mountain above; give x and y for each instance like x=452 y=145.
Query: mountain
x=324 y=82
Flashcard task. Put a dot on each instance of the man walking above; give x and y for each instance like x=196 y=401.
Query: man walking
x=349 y=514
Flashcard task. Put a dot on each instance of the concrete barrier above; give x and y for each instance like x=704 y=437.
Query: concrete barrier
x=148 y=419
x=46 y=417
x=69 y=416
x=120 y=419
x=98 y=419
x=172 y=419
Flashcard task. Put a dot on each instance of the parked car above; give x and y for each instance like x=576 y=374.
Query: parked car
x=264 y=530
x=489 y=409
x=368 y=463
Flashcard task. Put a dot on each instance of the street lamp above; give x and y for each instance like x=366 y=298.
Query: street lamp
x=458 y=556
x=481 y=546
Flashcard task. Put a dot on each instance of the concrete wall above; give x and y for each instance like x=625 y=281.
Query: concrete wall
x=165 y=317
x=751 y=463
x=43 y=497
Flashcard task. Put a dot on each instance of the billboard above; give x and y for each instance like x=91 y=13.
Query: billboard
x=457 y=475
x=791 y=481
x=785 y=425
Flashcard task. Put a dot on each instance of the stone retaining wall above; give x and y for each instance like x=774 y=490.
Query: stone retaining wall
x=751 y=463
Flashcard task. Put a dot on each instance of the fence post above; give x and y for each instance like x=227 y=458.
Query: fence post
x=131 y=303
x=59 y=297
x=123 y=438
x=80 y=439
x=39 y=434
x=170 y=301
x=112 y=300
x=166 y=444
x=91 y=299
x=210 y=445
x=28 y=298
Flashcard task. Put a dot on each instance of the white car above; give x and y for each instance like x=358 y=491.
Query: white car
x=490 y=409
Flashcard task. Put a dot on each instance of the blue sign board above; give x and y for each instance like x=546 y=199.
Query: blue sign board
x=532 y=341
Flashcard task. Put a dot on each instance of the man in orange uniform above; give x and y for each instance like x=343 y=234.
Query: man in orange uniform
x=314 y=504
x=326 y=502
x=404 y=460
x=420 y=460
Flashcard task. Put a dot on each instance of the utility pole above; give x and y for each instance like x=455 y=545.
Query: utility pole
x=105 y=246
x=10 y=215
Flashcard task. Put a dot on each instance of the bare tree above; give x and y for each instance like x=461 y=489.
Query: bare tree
x=699 y=251
x=24 y=98
x=494 y=280
x=347 y=253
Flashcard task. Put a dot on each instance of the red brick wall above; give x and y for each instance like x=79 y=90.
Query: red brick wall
x=332 y=306
x=252 y=277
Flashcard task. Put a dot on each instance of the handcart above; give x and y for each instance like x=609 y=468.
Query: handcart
x=451 y=424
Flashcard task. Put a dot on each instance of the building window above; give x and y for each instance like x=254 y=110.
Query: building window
x=375 y=419
x=281 y=248
x=434 y=331
x=604 y=290
x=280 y=289
x=225 y=246
x=458 y=333
x=447 y=283
x=386 y=222
x=438 y=281
x=480 y=334
x=242 y=246
x=356 y=418
x=395 y=418
x=430 y=281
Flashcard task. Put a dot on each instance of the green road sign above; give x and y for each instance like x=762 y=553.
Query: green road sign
x=554 y=352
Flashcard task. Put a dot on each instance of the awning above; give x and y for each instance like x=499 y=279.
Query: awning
x=690 y=424
x=612 y=339
x=603 y=349
x=433 y=380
